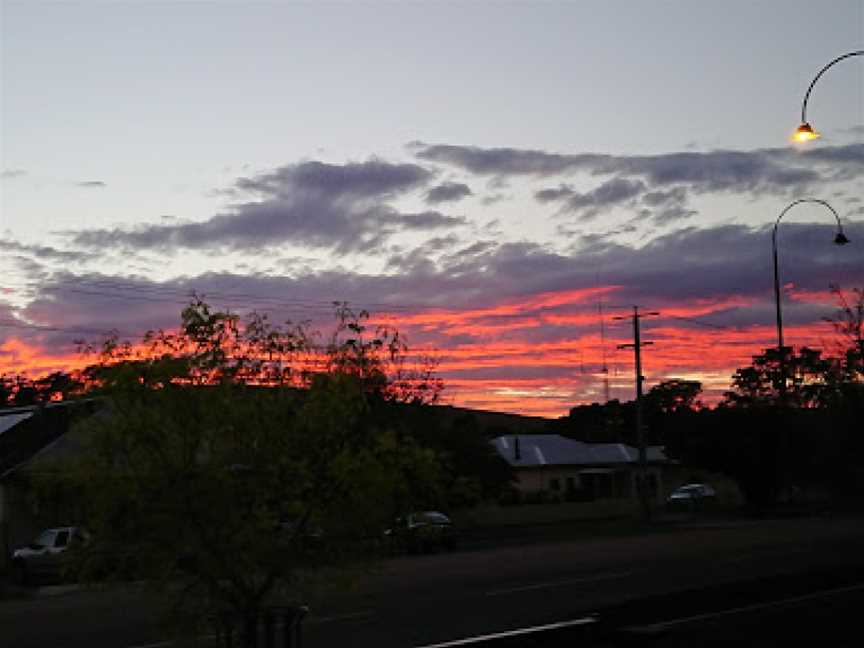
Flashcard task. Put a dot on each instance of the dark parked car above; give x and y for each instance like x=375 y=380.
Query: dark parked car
x=308 y=534
x=48 y=556
x=422 y=532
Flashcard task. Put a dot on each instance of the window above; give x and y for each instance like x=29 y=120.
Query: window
x=622 y=484
x=555 y=484
x=432 y=517
x=62 y=539
x=653 y=483
x=45 y=539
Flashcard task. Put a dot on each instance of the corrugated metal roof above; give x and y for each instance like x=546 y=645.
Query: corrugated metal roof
x=556 y=450
x=8 y=421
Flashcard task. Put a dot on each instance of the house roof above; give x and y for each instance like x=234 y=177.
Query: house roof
x=556 y=450
x=8 y=420
x=39 y=432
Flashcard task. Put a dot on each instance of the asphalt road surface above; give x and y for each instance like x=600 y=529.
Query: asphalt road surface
x=691 y=572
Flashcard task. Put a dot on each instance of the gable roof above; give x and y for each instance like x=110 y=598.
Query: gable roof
x=27 y=433
x=555 y=450
x=10 y=419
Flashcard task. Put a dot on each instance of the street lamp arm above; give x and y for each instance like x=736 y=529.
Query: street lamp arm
x=819 y=75
x=808 y=200
x=840 y=239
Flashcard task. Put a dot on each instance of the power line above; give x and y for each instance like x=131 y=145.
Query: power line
x=180 y=299
x=4 y=323
x=93 y=286
x=240 y=298
x=705 y=324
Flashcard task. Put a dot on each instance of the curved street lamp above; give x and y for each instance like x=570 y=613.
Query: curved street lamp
x=839 y=239
x=805 y=132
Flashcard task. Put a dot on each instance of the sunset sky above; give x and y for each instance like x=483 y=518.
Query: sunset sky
x=486 y=176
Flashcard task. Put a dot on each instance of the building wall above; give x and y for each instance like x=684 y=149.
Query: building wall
x=5 y=549
x=532 y=480
x=620 y=483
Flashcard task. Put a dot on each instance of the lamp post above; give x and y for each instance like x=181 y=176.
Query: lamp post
x=805 y=132
x=839 y=239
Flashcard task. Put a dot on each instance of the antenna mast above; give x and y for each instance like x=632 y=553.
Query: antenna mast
x=604 y=369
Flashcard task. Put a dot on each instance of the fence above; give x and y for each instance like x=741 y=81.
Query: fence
x=272 y=627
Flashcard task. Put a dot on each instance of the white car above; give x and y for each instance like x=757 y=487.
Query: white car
x=46 y=556
x=691 y=496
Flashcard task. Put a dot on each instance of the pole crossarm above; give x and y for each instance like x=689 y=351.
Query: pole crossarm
x=819 y=75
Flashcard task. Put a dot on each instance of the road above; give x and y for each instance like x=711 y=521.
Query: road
x=820 y=617
x=415 y=601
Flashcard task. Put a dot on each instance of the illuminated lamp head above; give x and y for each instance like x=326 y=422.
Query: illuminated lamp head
x=804 y=133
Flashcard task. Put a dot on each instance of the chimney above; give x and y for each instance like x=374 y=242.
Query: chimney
x=517 y=456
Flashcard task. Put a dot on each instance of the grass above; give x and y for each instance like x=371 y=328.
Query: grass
x=495 y=515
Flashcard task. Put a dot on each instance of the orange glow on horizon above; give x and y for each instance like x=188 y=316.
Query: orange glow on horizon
x=20 y=357
x=543 y=355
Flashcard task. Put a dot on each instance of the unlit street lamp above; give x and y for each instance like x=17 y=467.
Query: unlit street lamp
x=805 y=132
x=839 y=239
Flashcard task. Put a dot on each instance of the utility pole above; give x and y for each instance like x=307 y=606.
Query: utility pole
x=641 y=480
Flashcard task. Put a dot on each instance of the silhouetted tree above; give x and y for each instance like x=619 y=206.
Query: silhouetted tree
x=474 y=469
x=21 y=391
x=7 y=384
x=673 y=396
x=611 y=422
x=220 y=451
x=57 y=386
x=848 y=323
x=758 y=385
x=25 y=392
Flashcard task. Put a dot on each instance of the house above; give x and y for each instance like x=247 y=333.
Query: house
x=576 y=470
x=31 y=437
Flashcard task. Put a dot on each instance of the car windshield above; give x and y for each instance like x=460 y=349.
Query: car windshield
x=432 y=517
x=44 y=539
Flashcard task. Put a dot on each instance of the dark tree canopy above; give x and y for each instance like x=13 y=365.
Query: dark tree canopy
x=223 y=448
x=673 y=395
x=810 y=379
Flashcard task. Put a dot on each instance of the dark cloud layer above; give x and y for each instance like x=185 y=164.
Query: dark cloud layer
x=43 y=252
x=667 y=207
x=256 y=226
x=692 y=263
x=656 y=198
x=447 y=192
x=313 y=204
x=507 y=161
x=672 y=214
x=757 y=171
x=724 y=263
x=608 y=194
x=663 y=183
x=371 y=179
x=738 y=171
x=349 y=207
